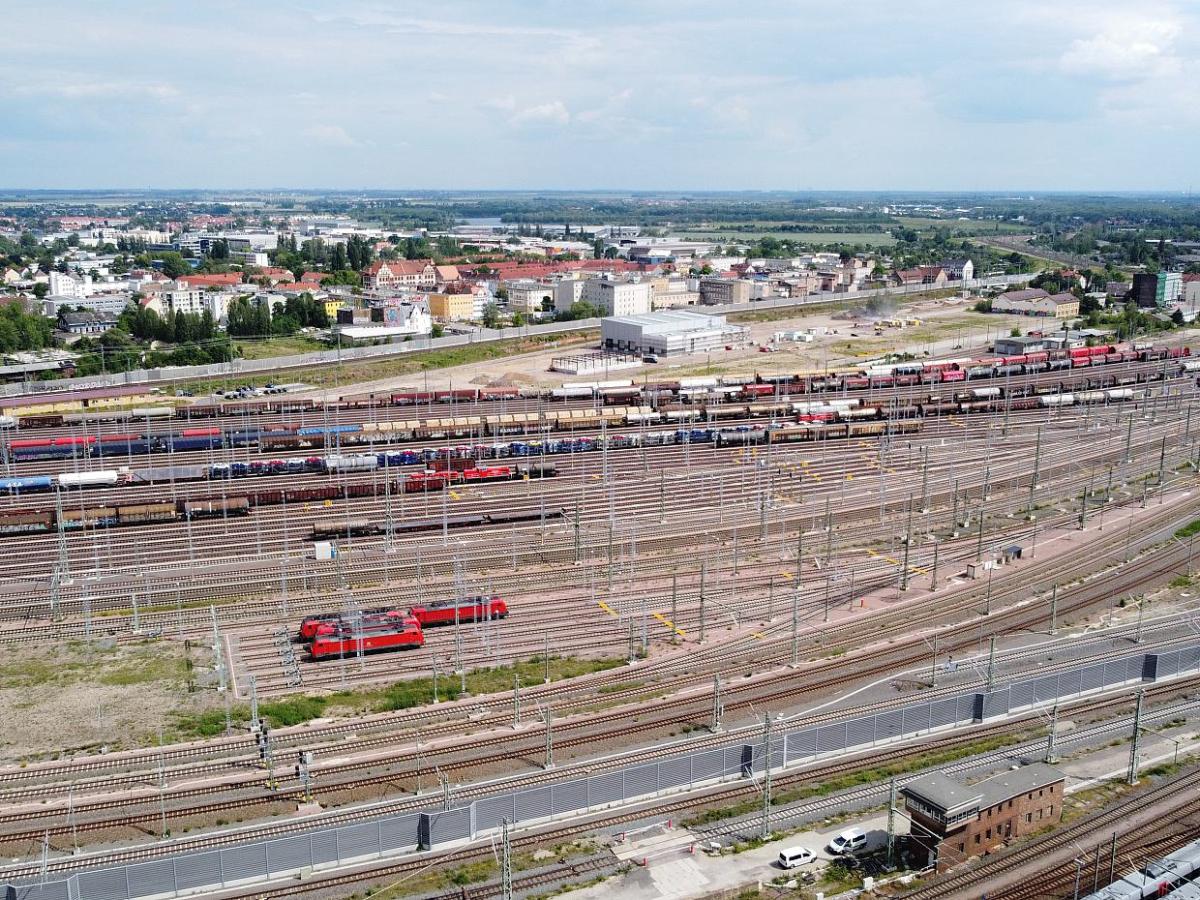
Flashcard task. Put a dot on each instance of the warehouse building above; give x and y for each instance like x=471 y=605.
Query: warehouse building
x=670 y=333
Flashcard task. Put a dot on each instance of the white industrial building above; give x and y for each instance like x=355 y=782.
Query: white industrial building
x=670 y=332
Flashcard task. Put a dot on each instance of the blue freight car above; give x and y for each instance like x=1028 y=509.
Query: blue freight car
x=28 y=484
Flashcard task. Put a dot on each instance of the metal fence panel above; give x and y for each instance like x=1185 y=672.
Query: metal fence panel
x=398 y=832
x=324 y=846
x=535 y=803
x=606 y=788
x=491 y=811
x=675 y=772
x=244 y=861
x=358 y=840
x=802 y=743
x=860 y=731
x=287 y=854
x=889 y=724
x=943 y=712
x=449 y=825
x=831 y=737
x=708 y=764
x=104 y=884
x=641 y=780
x=197 y=870
x=149 y=877
x=51 y=890
x=568 y=797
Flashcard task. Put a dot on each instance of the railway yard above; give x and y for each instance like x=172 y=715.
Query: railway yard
x=245 y=634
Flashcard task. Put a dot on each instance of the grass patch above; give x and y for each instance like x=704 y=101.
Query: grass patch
x=300 y=708
x=1188 y=530
x=333 y=375
x=280 y=346
x=869 y=775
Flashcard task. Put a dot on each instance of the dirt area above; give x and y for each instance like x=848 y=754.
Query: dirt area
x=947 y=327
x=77 y=696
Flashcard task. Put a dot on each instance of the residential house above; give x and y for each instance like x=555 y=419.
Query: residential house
x=934 y=276
x=87 y=323
x=958 y=269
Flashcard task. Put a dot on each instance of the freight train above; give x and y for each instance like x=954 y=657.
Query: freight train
x=71 y=516
x=333 y=437
x=347 y=528
x=69 y=410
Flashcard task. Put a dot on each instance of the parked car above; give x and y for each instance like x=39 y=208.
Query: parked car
x=794 y=857
x=849 y=841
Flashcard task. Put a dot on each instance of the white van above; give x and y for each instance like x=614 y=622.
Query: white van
x=794 y=857
x=849 y=841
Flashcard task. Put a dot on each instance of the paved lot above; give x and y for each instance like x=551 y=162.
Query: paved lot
x=679 y=874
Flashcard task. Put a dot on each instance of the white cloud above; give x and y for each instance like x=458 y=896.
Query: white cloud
x=1128 y=47
x=75 y=89
x=331 y=135
x=553 y=113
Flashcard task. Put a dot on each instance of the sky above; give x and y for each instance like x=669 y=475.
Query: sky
x=615 y=94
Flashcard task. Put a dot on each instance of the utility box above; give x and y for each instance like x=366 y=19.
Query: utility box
x=324 y=550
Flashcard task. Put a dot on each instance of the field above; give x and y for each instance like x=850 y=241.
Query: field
x=86 y=696
x=964 y=226
x=873 y=238
x=343 y=376
x=281 y=346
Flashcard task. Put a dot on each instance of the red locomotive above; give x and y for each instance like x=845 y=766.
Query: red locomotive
x=386 y=633
x=310 y=626
x=473 y=609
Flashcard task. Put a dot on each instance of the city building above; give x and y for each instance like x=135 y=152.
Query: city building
x=721 y=291
x=452 y=307
x=70 y=286
x=669 y=333
x=617 y=298
x=1058 y=306
x=1157 y=289
x=113 y=304
x=567 y=292
x=529 y=297
x=398 y=274
x=395 y=320
x=955 y=821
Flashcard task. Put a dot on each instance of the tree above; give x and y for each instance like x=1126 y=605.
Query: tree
x=438 y=330
x=173 y=265
x=339 y=259
x=41 y=289
x=491 y=315
x=518 y=319
x=1177 y=317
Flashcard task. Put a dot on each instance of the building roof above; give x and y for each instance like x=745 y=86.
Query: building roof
x=668 y=321
x=1025 y=295
x=88 y=317
x=943 y=792
x=949 y=795
x=1064 y=297
x=1017 y=781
